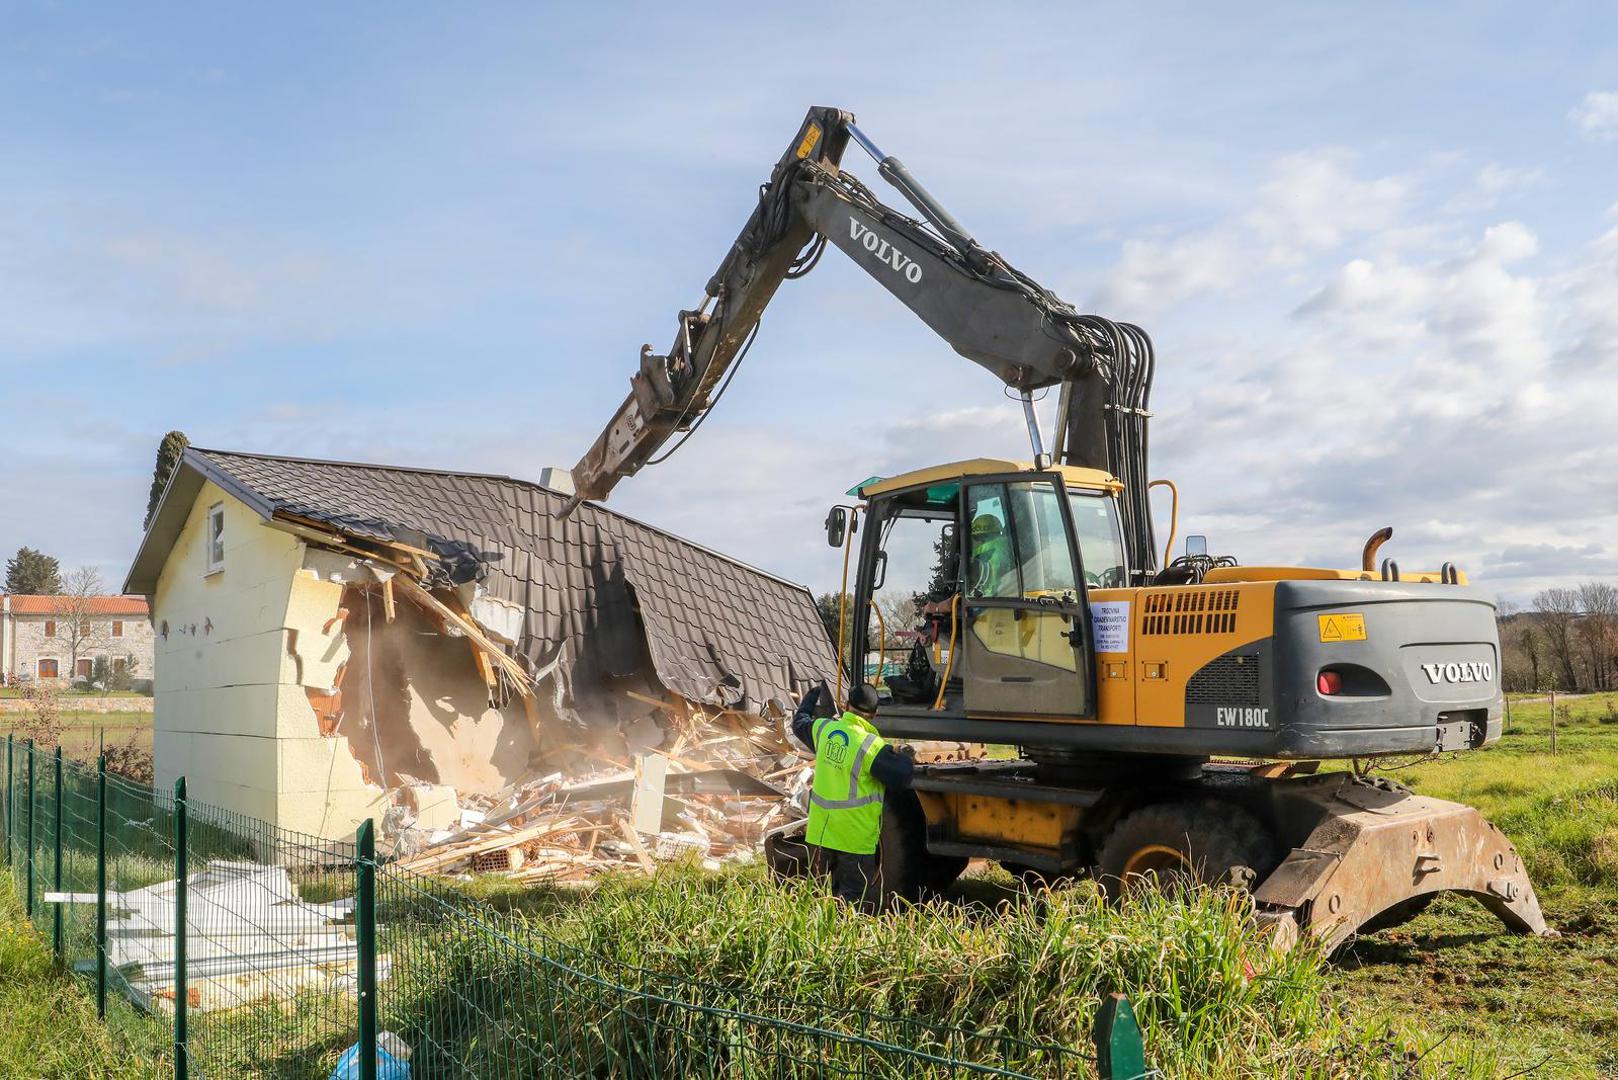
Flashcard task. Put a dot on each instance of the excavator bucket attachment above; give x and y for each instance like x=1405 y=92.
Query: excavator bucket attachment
x=1374 y=849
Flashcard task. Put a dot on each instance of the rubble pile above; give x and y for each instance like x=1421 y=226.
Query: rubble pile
x=691 y=782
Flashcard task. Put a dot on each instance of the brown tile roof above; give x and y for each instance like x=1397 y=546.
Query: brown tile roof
x=27 y=604
x=604 y=594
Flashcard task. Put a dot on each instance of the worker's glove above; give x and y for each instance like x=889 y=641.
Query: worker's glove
x=807 y=705
x=908 y=751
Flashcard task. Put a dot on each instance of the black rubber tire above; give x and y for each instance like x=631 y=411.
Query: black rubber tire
x=906 y=870
x=787 y=855
x=1398 y=914
x=1216 y=843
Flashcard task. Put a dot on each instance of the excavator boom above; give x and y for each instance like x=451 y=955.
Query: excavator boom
x=986 y=310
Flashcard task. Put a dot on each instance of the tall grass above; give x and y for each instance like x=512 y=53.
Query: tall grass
x=998 y=985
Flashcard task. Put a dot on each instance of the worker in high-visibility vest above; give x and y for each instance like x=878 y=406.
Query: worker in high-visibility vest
x=994 y=572
x=854 y=766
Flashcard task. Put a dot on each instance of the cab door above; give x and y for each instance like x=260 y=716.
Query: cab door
x=1027 y=649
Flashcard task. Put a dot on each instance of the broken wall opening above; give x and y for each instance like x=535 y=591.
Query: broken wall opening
x=415 y=704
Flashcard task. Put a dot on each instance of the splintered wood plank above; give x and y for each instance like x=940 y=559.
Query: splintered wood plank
x=646 y=802
x=641 y=854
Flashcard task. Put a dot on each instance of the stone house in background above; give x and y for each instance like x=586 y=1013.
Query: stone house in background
x=56 y=640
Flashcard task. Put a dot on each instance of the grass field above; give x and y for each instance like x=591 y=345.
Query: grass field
x=1551 y=1003
x=82 y=733
x=1450 y=994
x=48 y=1026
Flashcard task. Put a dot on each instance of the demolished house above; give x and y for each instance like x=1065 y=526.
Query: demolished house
x=440 y=652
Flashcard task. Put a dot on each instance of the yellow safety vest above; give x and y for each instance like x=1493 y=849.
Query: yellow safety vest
x=845 y=804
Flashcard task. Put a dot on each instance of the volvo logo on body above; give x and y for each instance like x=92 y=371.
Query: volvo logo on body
x=1466 y=672
x=876 y=245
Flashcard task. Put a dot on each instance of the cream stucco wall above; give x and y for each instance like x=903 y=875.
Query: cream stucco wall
x=236 y=652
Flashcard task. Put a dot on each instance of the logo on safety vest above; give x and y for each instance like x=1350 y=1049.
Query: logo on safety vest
x=835 y=747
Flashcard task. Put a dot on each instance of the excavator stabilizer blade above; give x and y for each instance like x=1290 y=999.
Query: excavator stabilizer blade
x=1374 y=846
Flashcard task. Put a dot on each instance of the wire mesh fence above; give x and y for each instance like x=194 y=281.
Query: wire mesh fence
x=268 y=953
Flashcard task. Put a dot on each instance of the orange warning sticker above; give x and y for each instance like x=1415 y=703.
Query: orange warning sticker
x=810 y=138
x=1342 y=627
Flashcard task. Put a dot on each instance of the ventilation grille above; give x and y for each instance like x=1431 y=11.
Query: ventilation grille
x=1228 y=680
x=1191 y=611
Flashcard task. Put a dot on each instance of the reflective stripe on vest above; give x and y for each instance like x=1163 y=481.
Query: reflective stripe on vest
x=854 y=797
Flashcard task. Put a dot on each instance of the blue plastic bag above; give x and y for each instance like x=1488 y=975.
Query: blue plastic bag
x=388 y=1067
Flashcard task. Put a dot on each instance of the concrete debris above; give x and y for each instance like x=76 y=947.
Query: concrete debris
x=249 y=936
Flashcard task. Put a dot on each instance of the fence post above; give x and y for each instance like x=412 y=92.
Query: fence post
x=9 y=799
x=365 y=931
x=57 y=944
x=1120 y=1051
x=181 y=1050
x=1553 y=719
x=101 y=887
x=30 y=890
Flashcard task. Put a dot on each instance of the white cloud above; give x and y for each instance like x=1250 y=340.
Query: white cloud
x=1596 y=116
x=1493 y=184
x=1311 y=203
x=1443 y=381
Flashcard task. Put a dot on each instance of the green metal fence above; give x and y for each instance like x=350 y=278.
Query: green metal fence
x=271 y=953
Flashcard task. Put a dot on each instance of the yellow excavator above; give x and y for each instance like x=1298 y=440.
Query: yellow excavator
x=1170 y=716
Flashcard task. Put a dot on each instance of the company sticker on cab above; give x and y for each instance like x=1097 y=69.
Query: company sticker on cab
x=1344 y=626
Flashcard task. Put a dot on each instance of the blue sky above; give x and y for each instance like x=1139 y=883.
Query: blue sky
x=1377 y=248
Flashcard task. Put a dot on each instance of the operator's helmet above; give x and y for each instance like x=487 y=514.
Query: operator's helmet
x=985 y=527
x=862 y=699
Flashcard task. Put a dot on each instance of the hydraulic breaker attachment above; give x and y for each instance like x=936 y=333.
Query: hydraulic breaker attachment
x=1375 y=849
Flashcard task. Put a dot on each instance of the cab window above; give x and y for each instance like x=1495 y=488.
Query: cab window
x=1095 y=521
x=1018 y=543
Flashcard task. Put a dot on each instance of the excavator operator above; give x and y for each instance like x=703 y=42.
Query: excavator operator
x=854 y=766
x=991 y=556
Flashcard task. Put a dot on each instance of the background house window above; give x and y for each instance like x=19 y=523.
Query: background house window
x=117 y=628
x=47 y=669
x=50 y=627
x=86 y=669
x=216 y=537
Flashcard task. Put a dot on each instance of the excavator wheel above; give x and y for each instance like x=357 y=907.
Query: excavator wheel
x=908 y=871
x=1208 y=843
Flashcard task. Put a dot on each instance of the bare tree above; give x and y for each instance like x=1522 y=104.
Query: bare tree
x=78 y=621
x=1598 y=631
x=1556 y=610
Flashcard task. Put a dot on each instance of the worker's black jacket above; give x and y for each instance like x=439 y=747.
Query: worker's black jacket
x=890 y=768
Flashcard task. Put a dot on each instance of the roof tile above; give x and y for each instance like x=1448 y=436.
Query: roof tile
x=704 y=617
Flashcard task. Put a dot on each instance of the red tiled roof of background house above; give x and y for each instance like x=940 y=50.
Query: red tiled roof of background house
x=91 y=605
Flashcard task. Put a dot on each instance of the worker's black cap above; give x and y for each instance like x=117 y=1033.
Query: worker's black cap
x=862 y=698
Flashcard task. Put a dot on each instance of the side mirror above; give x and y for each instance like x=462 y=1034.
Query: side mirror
x=836 y=526
x=1196 y=545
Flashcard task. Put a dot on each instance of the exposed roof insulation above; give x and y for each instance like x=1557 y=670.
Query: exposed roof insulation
x=714 y=630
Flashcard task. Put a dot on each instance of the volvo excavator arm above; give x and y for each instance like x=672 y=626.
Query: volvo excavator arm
x=973 y=298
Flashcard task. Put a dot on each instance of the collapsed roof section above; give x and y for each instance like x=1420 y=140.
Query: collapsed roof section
x=584 y=600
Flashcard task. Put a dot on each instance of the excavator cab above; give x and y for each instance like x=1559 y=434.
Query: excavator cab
x=977 y=573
